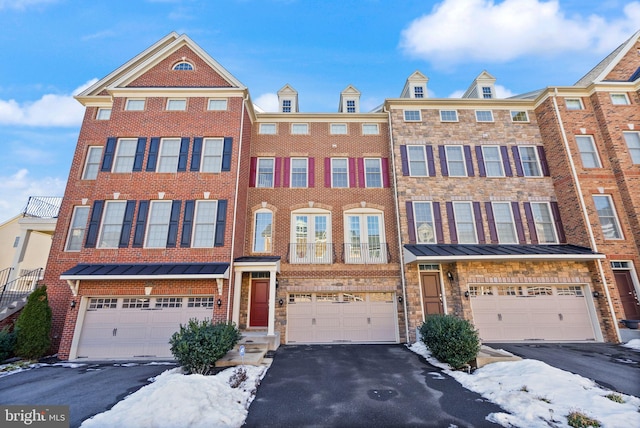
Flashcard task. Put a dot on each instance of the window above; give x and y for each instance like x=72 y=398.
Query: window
x=77 y=228
x=465 y=223
x=492 y=161
x=299 y=128
x=265 y=170
x=158 y=224
x=370 y=129
x=424 y=225
x=455 y=161
x=112 y=224
x=484 y=116
x=412 y=116
x=364 y=240
x=168 y=155
x=505 y=226
x=262 y=235
x=311 y=240
x=268 y=128
x=125 y=155
x=338 y=129
x=588 y=152
x=519 y=116
x=183 y=66
x=633 y=143
x=417 y=161
x=544 y=223
x=212 y=155
x=299 y=172
x=134 y=104
x=448 y=115
x=103 y=114
x=92 y=165
x=486 y=92
x=418 y=92
x=216 y=104
x=339 y=173
x=286 y=106
x=619 y=99
x=176 y=104
x=574 y=104
x=373 y=172
x=204 y=225
x=607 y=215
x=351 y=106
x=530 y=162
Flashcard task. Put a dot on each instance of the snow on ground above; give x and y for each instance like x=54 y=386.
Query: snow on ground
x=538 y=395
x=178 y=400
x=633 y=344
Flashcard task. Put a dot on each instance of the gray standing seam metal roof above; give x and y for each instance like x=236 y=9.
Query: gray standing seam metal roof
x=452 y=250
x=147 y=269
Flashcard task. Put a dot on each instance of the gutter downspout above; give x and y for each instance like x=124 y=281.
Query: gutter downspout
x=231 y=281
x=585 y=214
x=399 y=237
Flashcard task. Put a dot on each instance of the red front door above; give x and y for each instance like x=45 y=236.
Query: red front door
x=628 y=297
x=259 y=316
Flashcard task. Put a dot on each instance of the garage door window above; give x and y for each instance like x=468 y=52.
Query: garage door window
x=509 y=291
x=539 y=291
x=354 y=297
x=135 y=303
x=327 y=297
x=200 y=302
x=169 y=302
x=570 y=290
x=102 y=304
x=299 y=298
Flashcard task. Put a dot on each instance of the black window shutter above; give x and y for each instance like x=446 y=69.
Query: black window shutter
x=430 y=163
x=555 y=211
x=153 y=154
x=94 y=224
x=141 y=222
x=479 y=225
x=172 y=236
x=184 y=154
x=127 y=221
x=481 y=170
x=451 y=219
x=197 y=152
x=404 y=160
x=437 y=218
x=410 y=222
x=518 y=220
x=187 y=223
x=227 y=148
x=516 y=160
x=443 y=161
x=109 y=152
x=468 y=160
x=543 y=161
x=528 y=213
x=221 y=220
x=505 y=161
x=140 y=149
x=493 y=233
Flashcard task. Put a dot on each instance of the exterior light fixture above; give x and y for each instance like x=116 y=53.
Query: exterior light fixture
x=73 y=304
x=281 y=302
x=219 y=302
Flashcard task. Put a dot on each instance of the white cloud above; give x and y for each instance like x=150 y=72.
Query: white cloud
x=50 y=110
x=267 y=102
x=16 y=189
x=489 y=31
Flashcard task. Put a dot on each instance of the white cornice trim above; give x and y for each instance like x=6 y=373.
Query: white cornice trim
x=322 y=117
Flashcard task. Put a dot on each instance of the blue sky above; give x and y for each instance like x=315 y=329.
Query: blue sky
x=51 y=49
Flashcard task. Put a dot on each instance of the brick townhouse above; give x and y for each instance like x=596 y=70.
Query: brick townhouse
x=185 y=200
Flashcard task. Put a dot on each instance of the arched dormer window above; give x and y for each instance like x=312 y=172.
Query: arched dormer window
x=183 y=65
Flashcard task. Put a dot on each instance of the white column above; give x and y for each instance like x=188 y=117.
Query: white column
x=237 y=291
x=272 y=303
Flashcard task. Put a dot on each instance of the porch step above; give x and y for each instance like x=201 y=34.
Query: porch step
x=253 y=356
x=10 y=307
x=489 y=355
x=260 y=337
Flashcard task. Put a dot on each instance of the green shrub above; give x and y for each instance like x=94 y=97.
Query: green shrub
x=451 y=339
x=615 y=397
x=199 y=344
x=7 y=343
x=580 y=420
x=33 y=326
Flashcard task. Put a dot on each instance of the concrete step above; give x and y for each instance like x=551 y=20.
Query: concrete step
x=489 y=355
x=253 y=356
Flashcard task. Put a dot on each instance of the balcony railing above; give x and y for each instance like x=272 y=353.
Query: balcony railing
x=366 y=253
x=316 y=253
x=19 y=287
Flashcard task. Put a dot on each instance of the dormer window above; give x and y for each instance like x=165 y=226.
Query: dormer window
x=486 y=92
x=351 y=106
x=418 y=92
x=183 y=66
x=286 y=106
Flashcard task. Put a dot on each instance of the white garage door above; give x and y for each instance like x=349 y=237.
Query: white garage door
x=556 y=312
x=137 y=326
x=341 y=317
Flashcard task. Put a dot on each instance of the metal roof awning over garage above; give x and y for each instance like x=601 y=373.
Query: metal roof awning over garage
x=141 y=271
x=496 y=252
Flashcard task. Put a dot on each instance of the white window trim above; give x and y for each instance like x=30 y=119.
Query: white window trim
x=273 y=172
x=363 y=213
x=501 y=161
x=514 y=113
x=434 y=238
x=131 y=100
x=117 y=155
x=512 y=220
x=86 y=162
x=306 y=125
x=579 y=100
x=148 y=225
x=615 y=217
x=364 y=125
x=306 y=186
x=404 y=116
x=71 y=228
x=457 y=119
x=226 y=104
x=553 y=226
x=101 y=110
x=356 y=105
x=594 y=150
x=311 y=213
x=473 y=220
x=176 y=100
x=202 y=156
x=426 y=162
x=255 y=230
x=632 y=149
x=333 y=186
x=366 y=183
x=618 y=95
x=275 y=129
x=346 y=128
x=160 y=155
x=195 y=224
x=484 y=121
x=535 y=151
x=104 y=213
x=464 y=160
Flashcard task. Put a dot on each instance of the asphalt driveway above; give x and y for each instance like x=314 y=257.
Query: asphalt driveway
x=87 y=390
x=612 y=366
x=362 y=385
